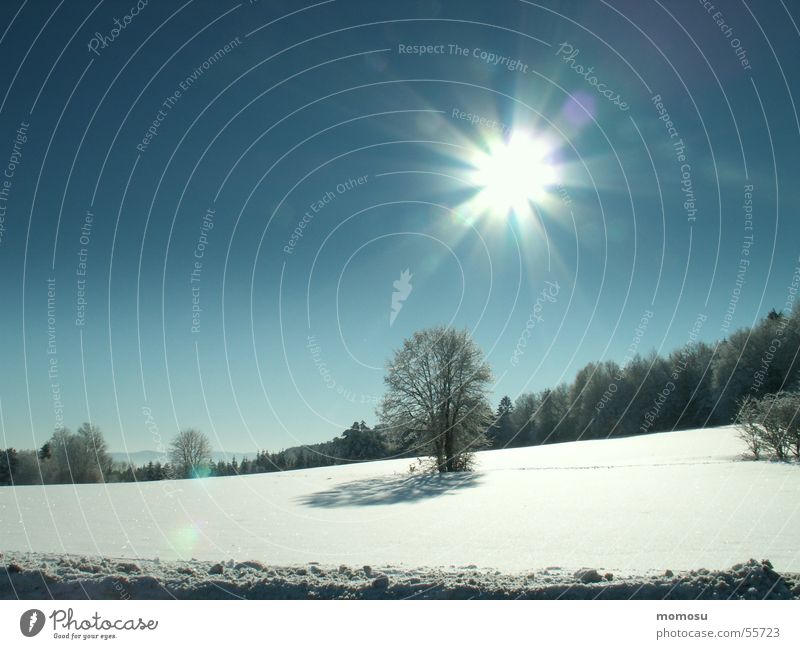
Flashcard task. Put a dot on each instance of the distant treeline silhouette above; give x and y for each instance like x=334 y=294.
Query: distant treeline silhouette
x=695 y=386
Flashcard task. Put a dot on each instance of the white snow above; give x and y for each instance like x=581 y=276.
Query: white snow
x=679 y=501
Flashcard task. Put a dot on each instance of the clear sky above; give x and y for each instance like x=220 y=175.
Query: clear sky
x=563 y=179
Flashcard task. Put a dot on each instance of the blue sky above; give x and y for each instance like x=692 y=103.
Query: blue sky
x=288 y=347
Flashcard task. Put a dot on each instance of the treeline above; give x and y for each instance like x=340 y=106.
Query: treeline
x=83 y=457
x=359 y=443
x=65 y=458
x=695 y=386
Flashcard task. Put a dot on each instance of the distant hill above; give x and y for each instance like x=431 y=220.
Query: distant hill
x=139 y=458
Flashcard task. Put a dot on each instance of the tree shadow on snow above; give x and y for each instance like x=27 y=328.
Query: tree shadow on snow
x=389 y=490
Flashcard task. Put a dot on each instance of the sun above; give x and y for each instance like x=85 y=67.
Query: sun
x=511 y=174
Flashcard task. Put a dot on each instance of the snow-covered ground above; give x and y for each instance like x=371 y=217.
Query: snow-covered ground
x=677 y=501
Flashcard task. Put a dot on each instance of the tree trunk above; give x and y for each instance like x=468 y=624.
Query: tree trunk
x=440 y=454
x=450 y=460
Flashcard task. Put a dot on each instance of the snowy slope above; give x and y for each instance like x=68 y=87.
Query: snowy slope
x=677 y=500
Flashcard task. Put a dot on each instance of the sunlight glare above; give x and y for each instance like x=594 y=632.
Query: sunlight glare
x=511 y=174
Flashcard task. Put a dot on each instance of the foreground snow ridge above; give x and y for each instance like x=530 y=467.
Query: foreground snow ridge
x=62 y=577
x=677 y=501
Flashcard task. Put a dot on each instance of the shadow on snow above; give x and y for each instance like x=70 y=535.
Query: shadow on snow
x=390 y=490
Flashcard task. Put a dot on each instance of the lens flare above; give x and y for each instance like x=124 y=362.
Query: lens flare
x=511 y=174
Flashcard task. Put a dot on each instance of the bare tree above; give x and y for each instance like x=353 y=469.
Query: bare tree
x=190 y=452
x=80 y=457
x=95 y=452
x=437 y=390
x=771 y=423
x=748 y=424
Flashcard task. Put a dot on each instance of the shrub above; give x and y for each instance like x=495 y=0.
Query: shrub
x=771 y=424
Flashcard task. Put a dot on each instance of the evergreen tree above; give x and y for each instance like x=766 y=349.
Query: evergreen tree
x=551 y=417
x=501 y=433
x=8 y=466
x=45 y=453
x=523 y=425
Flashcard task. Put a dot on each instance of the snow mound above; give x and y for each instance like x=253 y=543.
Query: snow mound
x=73 y=577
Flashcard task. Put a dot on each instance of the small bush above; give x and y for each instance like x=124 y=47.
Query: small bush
x=771 y=425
